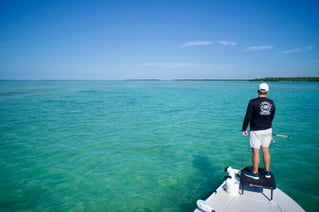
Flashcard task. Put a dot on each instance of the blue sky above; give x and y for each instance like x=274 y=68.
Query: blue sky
x=158 y=39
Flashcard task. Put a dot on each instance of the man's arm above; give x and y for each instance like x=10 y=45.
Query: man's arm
x=247 y=118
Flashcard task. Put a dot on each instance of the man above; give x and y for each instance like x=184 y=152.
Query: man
x=259 y=115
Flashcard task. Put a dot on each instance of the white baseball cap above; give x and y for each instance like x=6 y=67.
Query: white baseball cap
x=263 y=88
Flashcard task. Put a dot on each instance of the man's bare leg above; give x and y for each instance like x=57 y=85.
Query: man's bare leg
x=266 y=157
x=256 y=159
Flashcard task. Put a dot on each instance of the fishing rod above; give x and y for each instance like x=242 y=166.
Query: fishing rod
x=281 y=135
x=278 y=135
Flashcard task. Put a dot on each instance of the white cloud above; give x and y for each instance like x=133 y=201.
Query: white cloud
x=259 y=48
x=309 y=47
x=168 y=65
x=196 y=43
x=228 y=43
x=187 y=65
x=296 y=50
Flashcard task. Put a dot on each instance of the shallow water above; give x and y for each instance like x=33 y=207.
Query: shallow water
x=144 y=145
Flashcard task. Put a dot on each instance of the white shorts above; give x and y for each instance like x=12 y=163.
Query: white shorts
x=260 y=138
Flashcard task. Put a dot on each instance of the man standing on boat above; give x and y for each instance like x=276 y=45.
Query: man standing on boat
x=259 y=115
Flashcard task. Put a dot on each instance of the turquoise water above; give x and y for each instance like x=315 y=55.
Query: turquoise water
x=144 y=145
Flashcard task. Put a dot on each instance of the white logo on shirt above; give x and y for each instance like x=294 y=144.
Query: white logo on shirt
x=265 y=108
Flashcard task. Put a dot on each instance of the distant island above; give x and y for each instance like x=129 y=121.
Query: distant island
x=269 y=79
x=210 y=79
x=142 y=80
x=288 y=79
x=265 y=79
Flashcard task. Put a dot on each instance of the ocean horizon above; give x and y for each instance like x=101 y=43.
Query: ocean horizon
x=145 y=145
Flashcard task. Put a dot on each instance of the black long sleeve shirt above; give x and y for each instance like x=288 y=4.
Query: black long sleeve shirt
x=259 y=115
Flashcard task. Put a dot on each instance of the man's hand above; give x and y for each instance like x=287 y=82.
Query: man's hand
x=245 y=133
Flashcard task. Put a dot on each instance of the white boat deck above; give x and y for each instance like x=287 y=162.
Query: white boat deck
x=253 y=199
